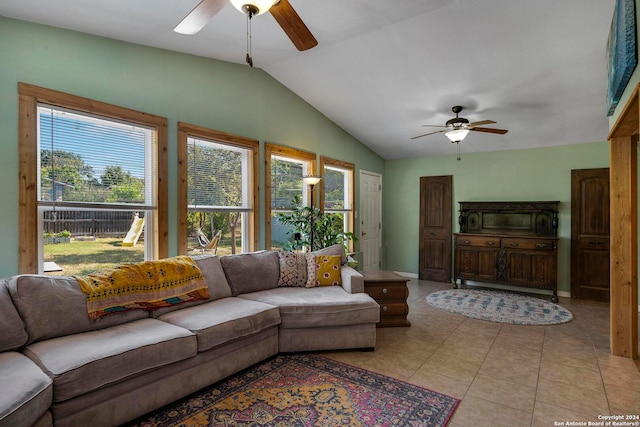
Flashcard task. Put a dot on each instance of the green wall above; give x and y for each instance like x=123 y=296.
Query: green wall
x=533 y=174
x=241 y=100
x=219 y=95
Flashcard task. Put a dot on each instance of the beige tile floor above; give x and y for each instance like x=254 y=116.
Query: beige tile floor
x=508 y=375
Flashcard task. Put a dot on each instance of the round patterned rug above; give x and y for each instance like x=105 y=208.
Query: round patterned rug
x=502 y=307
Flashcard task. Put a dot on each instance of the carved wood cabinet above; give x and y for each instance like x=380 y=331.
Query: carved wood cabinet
x=512 y=243
x=390 y=291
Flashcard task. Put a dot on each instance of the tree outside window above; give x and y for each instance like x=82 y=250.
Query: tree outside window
x=89 y=170
x=285 y=168
x=337 y=192
x=217 y=191
x=218 y=196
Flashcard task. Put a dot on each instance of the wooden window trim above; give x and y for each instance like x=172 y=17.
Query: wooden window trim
x=327 y=161
x=185 y=130
x=28 y=98
x=280 y=150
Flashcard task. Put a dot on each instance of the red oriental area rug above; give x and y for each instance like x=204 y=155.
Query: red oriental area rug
x=307 y=390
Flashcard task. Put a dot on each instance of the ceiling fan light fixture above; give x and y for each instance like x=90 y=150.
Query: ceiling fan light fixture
x=256 y=7
x=457 y=135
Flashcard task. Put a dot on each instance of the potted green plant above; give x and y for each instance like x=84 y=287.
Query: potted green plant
x=327 y=228
x=54 y=238
x=48 y=237
x=64 y=236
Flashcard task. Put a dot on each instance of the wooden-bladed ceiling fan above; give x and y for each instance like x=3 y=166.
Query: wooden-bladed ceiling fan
x=457 y=128
x=281 y=10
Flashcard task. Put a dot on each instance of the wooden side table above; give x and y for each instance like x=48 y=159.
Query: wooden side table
x=390 y=290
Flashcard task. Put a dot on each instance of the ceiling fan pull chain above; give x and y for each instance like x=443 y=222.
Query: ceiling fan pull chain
x=249 y=59
x=458 y=147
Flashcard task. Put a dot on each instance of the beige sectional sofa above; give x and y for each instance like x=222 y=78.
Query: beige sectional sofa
x=57 y=366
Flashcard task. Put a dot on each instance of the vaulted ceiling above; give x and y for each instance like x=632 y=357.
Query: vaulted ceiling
x=383 y=68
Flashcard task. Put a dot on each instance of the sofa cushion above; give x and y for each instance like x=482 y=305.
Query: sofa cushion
x=251 y=272
x=336 y=249
x=328 y=270
x=13 y=334
x=214 y=276
x=213 y=273
x=323 y=270
x=293 y=269
x=85 y=362
x=225 y=320
x=319 y=307
x=311 y=270
x=56 y=306
x=25 y=391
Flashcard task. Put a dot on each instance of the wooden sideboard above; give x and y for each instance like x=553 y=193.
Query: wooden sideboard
x=511 y=243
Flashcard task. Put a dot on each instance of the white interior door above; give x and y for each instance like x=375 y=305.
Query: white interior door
x=370 y=219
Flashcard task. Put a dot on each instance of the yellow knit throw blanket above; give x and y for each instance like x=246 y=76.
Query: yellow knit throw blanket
x=145 y=285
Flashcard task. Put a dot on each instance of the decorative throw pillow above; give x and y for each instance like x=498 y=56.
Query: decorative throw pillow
x=336 y=249
x=328 y=270
x=323 y=270
x=311 y=270
x=293 y=269
x=251 y=271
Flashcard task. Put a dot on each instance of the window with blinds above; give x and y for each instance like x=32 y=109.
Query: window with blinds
x=219 y=176
x=337 y=194
x=336 y=189
x=92 y=162
x=287 y=192
x=96 y=186
x=219 y=196
x=286 y=183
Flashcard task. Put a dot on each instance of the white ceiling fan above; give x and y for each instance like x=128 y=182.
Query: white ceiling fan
x=281 y=10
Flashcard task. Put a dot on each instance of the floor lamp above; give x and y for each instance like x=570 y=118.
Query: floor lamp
x=311 y=180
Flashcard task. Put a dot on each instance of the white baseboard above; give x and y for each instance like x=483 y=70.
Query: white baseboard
x=563 y=294
x=409 y=275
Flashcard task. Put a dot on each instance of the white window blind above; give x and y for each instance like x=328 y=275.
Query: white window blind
x=286 y=182
x=336 y=189
x=220 y=176
x=92 y=162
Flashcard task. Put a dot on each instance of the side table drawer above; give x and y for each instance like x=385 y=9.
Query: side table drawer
x=393 y=309
x=387 y=292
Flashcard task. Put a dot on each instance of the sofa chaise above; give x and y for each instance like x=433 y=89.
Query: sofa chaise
x=59 y=367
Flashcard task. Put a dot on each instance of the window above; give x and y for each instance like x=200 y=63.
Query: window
x=217 y=191
x=285 y=168
x=337 y=191
x=91 y=189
